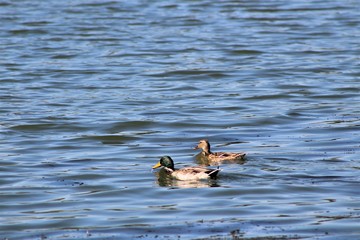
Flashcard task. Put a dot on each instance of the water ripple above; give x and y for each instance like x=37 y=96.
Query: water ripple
x=93 y=93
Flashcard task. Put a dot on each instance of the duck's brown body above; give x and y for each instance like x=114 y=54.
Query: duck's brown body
x=217 y=157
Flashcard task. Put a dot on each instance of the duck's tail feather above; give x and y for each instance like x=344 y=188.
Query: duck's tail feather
x=213 y=172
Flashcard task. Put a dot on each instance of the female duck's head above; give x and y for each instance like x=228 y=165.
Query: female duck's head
x=204 y=145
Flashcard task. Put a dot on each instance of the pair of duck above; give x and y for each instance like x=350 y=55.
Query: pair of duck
x=197 y=173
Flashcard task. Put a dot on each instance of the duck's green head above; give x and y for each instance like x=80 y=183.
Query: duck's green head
x=165 y=161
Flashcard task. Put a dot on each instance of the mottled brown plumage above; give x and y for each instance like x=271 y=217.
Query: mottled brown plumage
x=217 y=157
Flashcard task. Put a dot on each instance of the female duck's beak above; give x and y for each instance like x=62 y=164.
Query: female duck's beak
x=196 y=147
x=157 y=165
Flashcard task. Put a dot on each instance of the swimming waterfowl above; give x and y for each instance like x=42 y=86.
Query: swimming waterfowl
x=187 y=173
x=217 y=157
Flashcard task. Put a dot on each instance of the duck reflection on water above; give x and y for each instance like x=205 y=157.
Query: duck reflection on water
x=164 y=179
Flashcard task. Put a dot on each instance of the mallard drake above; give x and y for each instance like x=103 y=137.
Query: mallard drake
x=217 y=157
x=187 y=173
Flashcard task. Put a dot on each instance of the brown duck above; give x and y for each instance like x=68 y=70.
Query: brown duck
x=217 y=157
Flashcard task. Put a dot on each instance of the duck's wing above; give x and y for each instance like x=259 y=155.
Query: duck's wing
x=229 y=155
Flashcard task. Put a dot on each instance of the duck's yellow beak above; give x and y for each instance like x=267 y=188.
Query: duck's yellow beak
x=157 y=165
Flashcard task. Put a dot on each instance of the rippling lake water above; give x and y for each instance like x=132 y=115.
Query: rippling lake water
x=93 y=93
